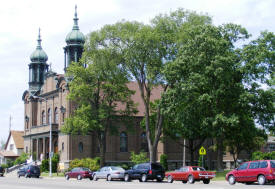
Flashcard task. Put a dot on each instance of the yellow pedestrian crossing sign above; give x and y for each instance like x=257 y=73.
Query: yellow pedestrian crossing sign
x=202 y=151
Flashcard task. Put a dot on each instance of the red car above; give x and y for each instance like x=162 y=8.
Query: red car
x=260 y=171
x=190 y=174
x=79 y=173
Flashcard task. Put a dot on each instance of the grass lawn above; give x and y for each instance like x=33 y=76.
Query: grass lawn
x=220 y=176
x=46 y=174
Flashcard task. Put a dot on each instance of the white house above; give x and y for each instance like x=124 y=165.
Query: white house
x=13 y=148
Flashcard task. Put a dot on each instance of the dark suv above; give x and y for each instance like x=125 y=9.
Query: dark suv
x=144 y=172
x=2 y=171
x=29 y=171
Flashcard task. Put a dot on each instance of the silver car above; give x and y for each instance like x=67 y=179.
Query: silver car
x=109 y=173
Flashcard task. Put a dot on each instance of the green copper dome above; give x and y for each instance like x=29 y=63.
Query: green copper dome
x=75 y=36
x=39 y=54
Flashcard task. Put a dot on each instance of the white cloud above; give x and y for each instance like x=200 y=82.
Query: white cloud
x=20 y=21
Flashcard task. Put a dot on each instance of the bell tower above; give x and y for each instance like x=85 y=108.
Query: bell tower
x=38 y=67
x=75 y=43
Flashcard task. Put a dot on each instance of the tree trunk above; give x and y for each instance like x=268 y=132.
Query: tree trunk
x=220 y=154
x=191 y=149
x=102 y=148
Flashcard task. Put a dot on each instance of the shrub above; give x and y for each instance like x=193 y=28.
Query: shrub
x=139 y=158
x=163 y=161
x=92 y=164
x=21 y=159
x=45 y=165
x=263 y=156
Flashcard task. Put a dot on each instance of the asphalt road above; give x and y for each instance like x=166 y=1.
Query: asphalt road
x=61 y=183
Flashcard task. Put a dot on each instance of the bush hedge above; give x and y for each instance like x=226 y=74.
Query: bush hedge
x=263 y=156
x=92 y=164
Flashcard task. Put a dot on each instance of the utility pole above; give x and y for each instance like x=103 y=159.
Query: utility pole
x=184 y=153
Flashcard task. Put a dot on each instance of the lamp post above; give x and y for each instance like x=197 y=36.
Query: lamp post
x=50 y=153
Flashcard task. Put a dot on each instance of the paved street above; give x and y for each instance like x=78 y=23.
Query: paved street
x=61 y=183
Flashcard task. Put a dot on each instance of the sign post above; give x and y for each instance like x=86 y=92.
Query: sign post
x=202 y=152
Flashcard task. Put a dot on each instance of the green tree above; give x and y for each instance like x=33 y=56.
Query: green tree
x=98 y=86
x=214 y=90
x=144 y=50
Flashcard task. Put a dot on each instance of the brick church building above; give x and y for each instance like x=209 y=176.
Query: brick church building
x=45 y=106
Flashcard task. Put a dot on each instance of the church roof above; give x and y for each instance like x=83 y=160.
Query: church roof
x=75 y=36
x=39 y=54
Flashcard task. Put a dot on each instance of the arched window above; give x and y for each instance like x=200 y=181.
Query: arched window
x=123 y=142
x=144 y=144
x=56 y=115
x=49 y=116
x=43 y=118
x=80 y=147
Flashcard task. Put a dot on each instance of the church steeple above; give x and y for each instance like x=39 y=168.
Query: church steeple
x=75 y=43
x=38 y=67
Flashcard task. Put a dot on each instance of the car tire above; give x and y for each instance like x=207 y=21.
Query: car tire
x=79 y=177
x=184 y=181
x=67 y=177
x=37 y=176
x=170 y=179
x=206 y=181
x=95 y=178
x=191 y=179
x=126 y=178
x=231 y=180
x=109 y=178
x=261 y=179
x=18 y=175
x=143 y=178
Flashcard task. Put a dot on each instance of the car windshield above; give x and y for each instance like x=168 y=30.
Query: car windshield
x=117 y=168
x=272 y=164
x=198 y=168
x=86 y=169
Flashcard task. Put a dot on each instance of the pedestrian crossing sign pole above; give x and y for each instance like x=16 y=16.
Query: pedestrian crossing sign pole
x=202 y=152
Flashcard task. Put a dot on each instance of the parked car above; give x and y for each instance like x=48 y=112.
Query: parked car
x=29 y=171
x=260 y=171
x=144 y=172
x=79 y=173
x=2 y=171
x=190 y=174
x=109 y=173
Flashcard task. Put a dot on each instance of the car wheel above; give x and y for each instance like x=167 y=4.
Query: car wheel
x=231 y=180
x=109 y=178
x=95 y=178
x=37 y=176
x=126 y=178
x=191 y=179
x=261 y=179
x=143 y=177
x=184 y=181
x=206 y=181
x=18 y=175
x=170 y=179
x=67 y=177
x=79 y=177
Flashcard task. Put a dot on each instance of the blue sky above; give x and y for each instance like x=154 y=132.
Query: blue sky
x=20 y=21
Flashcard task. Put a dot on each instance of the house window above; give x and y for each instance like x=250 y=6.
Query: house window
x=123 y=142
x=43 y=117
x=56 y=115
x=80 y=147
x=144 y=144
x=49 y=116
x=11 y=146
